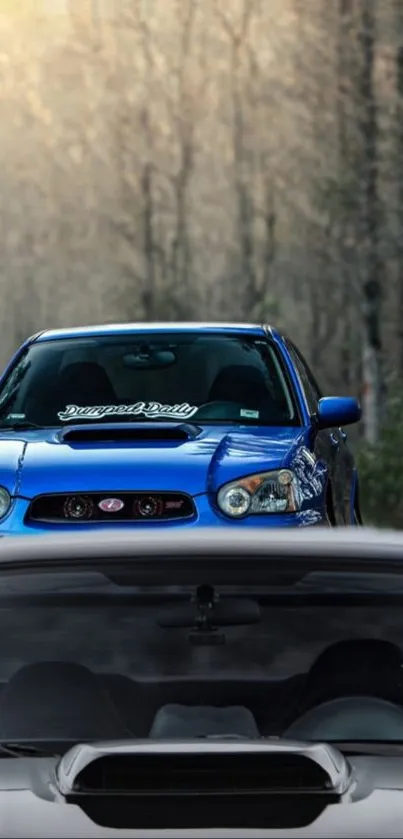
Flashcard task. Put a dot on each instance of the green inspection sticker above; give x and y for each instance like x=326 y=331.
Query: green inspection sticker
x=245 y=412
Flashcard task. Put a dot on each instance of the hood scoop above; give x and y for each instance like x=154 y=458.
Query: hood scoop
x=203 y=783
x=129 y=432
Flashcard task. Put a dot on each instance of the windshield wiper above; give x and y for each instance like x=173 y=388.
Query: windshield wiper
x=25 y=750
x=387 y=748
x=20 y=426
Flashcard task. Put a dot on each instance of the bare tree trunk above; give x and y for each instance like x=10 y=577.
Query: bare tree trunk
x=241 y=186
x=344 y=91
x=149 y=290
x=399 y=149
x=369 y=209
x=270 y=237
x=181 y=256
x=136 y=179
x=238 y=36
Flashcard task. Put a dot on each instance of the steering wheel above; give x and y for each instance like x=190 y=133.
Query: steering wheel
x=349 y=718
x=219 y=410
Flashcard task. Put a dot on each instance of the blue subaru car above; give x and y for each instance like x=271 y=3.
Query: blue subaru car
x=185 y=425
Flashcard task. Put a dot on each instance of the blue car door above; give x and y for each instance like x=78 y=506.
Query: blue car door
x=329 y=445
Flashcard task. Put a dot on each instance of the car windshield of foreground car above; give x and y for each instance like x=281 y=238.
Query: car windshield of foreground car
x=143 y=377
x=101 y=654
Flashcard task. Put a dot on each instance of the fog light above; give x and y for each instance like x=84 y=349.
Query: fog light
x=78 y=507
x=235 y=501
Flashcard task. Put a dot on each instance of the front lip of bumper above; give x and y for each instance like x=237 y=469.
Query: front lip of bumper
x=206 y=516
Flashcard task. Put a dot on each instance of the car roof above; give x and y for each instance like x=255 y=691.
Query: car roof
x=130 y=328
x=362 y=542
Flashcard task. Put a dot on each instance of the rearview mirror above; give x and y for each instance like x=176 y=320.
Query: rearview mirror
x=335 y=411
x=149 y=359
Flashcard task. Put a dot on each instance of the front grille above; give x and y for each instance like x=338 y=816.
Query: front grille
x=111 y=507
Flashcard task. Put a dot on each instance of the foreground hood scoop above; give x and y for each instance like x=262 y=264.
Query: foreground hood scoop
x=125 y=432
x=207 y=783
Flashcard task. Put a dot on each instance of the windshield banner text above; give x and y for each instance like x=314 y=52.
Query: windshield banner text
x=147 y=409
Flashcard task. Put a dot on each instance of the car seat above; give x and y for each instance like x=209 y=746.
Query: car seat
x=355 y=667
x=85 y=383
x=58 y=700
x=350 y=718
x=353 y=691
x=245 y=385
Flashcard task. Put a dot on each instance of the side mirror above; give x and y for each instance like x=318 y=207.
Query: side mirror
x=334 y=411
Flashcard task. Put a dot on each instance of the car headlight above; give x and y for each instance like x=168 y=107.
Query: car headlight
x=268 y=492
x=5 y=502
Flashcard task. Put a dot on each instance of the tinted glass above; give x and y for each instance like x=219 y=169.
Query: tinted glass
x=148 y=377
x=311 y=390
x=88 y=657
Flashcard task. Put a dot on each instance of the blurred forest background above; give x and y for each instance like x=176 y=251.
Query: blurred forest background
x=214 y=159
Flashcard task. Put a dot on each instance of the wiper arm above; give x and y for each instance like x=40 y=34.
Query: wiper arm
x=25 y=750
x=369 y=747
x=20 y=426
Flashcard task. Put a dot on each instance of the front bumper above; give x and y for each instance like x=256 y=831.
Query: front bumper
x=14 y=523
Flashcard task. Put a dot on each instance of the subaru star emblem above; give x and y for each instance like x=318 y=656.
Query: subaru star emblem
x=111 y=505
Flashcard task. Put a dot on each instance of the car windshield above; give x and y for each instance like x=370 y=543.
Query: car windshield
x=112 y=650
x=143 y=377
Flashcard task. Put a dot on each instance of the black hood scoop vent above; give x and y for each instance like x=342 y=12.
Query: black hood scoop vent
x=202 y=774
x=130 y=432
x=207 y=783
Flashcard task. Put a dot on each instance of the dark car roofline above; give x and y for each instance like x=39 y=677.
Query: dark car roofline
x=360 y=543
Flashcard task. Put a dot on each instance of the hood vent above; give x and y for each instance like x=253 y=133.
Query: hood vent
x=124 y=432
x=206 y=783
x=202 y=774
